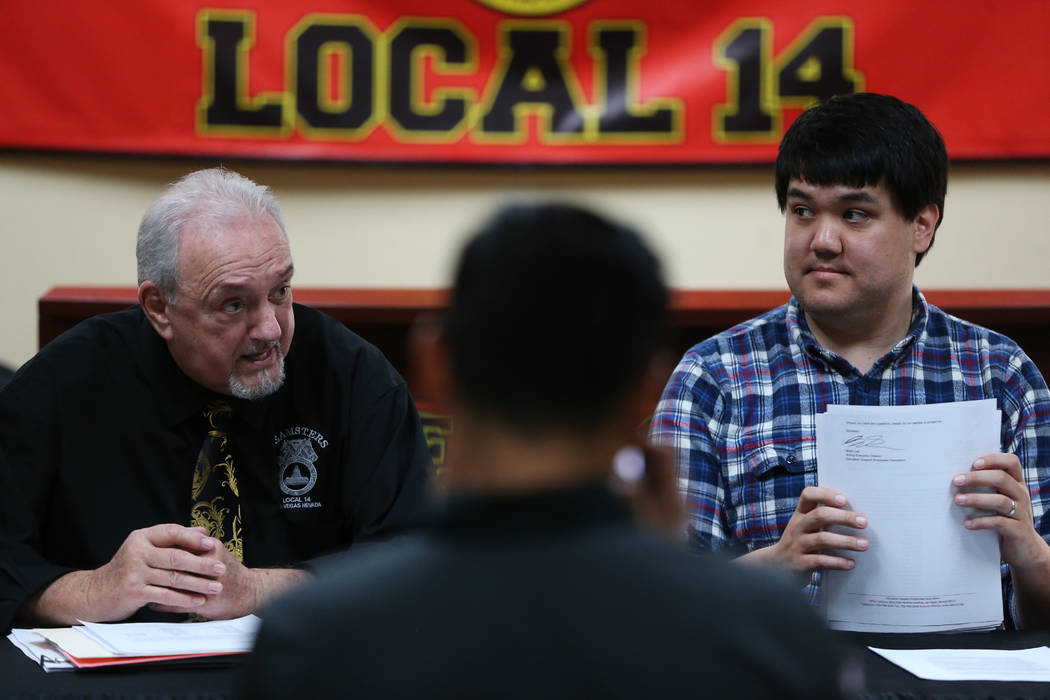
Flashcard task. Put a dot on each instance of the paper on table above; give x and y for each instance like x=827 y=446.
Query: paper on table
x=923 y=570
x=162 y=638
x=973 y=664
x=40 y=650
x=70 y=649
x=74 y=642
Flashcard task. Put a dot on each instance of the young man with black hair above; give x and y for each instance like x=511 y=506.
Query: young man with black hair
x=862 y=181
x=535 y=582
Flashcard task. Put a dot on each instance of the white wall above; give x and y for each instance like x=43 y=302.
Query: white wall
x=71 y=220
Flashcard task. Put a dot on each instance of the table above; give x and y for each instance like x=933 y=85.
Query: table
x=887 y=681
x=19 y=678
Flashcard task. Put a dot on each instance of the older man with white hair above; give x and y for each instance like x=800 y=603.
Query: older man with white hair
x=197 y=452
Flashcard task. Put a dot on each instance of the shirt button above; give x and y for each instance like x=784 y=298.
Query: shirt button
x=790 y=459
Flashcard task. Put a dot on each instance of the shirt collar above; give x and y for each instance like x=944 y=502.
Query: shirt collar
x=539 y=513
x=180 y=397
x=802 y=338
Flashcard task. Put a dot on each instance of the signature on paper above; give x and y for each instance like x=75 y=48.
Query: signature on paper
x=869 y=441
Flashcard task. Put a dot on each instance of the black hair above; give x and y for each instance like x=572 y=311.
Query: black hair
x=555 y=314
x=865 y=139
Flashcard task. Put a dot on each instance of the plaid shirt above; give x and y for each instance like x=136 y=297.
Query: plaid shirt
x=739 y=413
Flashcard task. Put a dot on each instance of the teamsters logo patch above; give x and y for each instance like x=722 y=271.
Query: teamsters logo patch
x=296 y=466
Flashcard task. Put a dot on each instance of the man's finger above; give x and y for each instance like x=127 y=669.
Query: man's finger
x=814 y=496
x=175 y=559
x=173 y=535
x=824 y=516
x=827 y=561
x=1002 y=461
x=995 y=503
x=173 y=598
x=181 y=581
x=998 y=479
x=999 y=523
x=824 y=540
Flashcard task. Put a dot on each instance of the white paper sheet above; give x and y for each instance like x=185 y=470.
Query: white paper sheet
x=973 y=664
x=923 y=570
x=39 y=649
x=74 y=642
x=164 y=638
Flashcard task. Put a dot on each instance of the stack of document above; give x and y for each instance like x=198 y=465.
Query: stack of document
x=923 y=570
x=94 y=645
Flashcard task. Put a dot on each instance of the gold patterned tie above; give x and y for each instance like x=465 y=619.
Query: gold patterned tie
x=216 y=500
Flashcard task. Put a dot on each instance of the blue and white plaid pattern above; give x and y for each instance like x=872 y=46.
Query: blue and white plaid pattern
x=739 y=413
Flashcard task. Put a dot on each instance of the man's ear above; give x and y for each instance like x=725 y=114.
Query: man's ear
x=925 y=225
x=156 y=307
x=429 y=362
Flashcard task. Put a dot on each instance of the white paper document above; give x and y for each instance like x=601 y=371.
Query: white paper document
x=973 y=664
x=165 y=638
x=74 y=642
x=923 y=570
x=93 y=645
x=40 y=650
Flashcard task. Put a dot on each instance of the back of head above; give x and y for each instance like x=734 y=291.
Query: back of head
x=555 y=314
x=866 y=139
x=214 y=197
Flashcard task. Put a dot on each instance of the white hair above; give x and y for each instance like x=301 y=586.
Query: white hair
x=215 y=196
x=266 y=384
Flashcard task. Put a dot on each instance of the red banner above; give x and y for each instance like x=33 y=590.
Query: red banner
x=536 y=81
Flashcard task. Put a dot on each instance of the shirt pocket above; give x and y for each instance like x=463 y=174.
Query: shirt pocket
x=768 y=491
